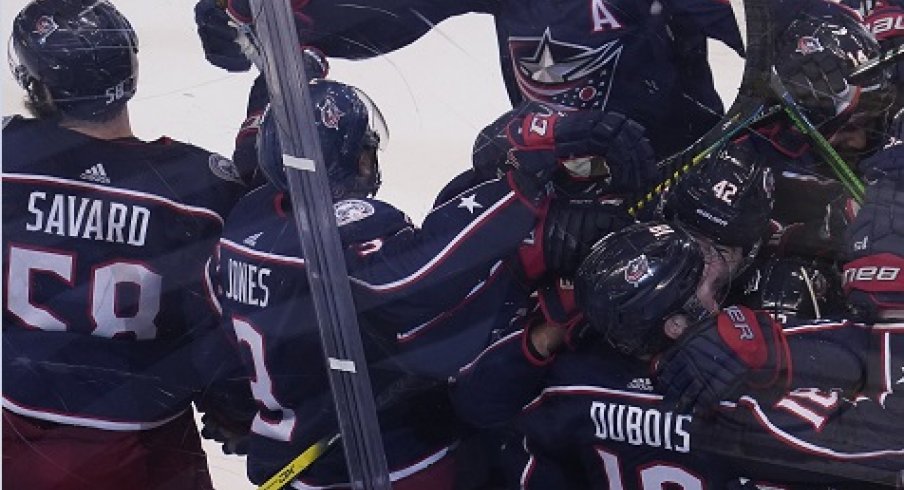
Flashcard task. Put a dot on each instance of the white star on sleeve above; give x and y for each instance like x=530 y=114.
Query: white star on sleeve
x=470 y=203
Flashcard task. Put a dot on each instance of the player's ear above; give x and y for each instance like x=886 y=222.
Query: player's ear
x=367 y=162
x=674 y=326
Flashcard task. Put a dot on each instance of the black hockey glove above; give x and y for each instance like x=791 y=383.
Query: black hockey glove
x=794 y=288
x=234 y=436
x=591 y=145
x=720 y=355
x=571 y=227
x=606 y=146
x=219 y=37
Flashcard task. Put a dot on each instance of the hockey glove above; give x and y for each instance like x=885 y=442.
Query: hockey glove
x=219 y=37
x=720 y=355
x=531 y=161
x=571 y=227
x=874 y=243
x=606 y=146
x=887 y=24
x=560 y=310
x=234 y=436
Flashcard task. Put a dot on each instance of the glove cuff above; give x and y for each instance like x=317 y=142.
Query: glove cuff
x=559 y=308
x=531 y=261
x=758 y=342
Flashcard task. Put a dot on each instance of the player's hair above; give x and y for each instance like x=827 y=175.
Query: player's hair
x=74 y=58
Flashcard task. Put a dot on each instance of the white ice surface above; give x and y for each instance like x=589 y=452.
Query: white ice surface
x=435 y=95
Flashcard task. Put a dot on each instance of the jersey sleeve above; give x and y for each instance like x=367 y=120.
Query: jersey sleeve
x=823 y=431
x=417 y=272
x=347 y=30
x=494 y=387
x=714 y=19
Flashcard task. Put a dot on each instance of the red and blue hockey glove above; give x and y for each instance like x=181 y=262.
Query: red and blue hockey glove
x=737 y=348
x=530 y=161
x=607 y=147
x=873 y=281
x=559 y=308
x=886 y=22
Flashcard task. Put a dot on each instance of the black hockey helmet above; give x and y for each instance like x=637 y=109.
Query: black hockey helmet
x=793 y=287
x=637 y=277
x=350 y=127
x=834 y=29
x=78 y=57
x=728 y=198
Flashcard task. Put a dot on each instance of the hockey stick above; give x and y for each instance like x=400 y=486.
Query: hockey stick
x=300 y=463
x=842 y=170
x=315 y=222
x=389 y=397
x=883 y=60
x=750 y=106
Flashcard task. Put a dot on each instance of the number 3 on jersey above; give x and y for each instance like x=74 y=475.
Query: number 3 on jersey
x=105 y=283
x=262 y=386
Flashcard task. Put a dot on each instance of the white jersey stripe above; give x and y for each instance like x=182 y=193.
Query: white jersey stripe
x=451 y=246
x=239 y=248
x=95 y=423
x=114 y=190
x=810 y=447
x=393 y=475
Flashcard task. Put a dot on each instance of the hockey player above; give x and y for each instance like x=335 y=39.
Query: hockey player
x=849 y=421
x=107 y=336
x=588 y=413
x=426 y=298
x=646 y=60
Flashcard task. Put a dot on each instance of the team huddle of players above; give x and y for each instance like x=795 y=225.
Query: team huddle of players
x=740 y=331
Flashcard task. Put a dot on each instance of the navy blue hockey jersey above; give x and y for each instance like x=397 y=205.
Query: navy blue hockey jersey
x=592 y=420
x=845 y=427
x=645 y=59
x=419 y=294
x=106 y=321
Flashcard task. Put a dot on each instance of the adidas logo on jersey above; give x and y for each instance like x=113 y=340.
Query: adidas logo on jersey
x=251 y=240
x=642 y=384
x=96 y=173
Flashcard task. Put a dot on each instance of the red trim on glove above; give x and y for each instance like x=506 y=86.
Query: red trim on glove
x=561 y=309
x=875 y=273
x=536 y=132
x=886 y=23
x=530 y=255
x=740 y=330
x=739 y=327
x=537 y=208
